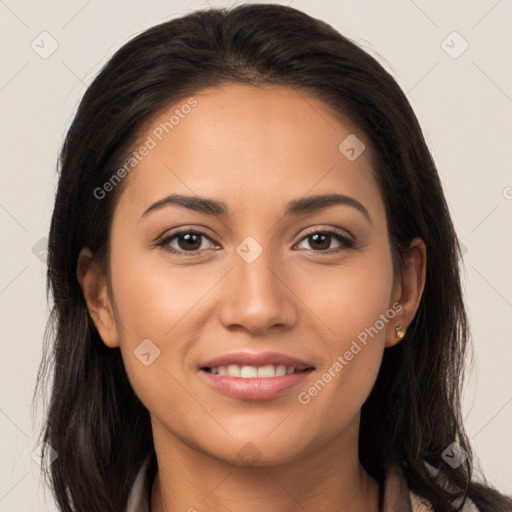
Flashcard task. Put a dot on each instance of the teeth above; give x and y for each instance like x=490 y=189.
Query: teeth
x=252 y=372
x=265 y=371
x=248 y=372
x=282 y=370
x=233 y=370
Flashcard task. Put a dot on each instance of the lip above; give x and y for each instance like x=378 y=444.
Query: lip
x=252 y=359
x=263 y=388
x=257 y=388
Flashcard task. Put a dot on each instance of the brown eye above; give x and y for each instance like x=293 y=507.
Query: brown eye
x=189 y=241
x=186 y=242
x=319 y=241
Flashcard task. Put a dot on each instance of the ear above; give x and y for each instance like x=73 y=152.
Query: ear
x=93 y=282
x=408 y=289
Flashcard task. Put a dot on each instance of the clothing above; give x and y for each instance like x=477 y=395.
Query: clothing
x=397 y=496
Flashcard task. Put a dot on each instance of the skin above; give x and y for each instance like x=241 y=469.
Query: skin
x=254 y=148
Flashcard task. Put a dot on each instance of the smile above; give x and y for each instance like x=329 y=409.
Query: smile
x=254 y=383
x=253 y=372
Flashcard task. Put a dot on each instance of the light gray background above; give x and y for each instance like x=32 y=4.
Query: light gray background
x=464 y=105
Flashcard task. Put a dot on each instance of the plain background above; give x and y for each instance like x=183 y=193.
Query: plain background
x=464 y=106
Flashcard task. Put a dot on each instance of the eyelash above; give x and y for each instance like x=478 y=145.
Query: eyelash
x=164 y=242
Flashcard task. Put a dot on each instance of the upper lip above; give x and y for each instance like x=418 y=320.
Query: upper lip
x=252 y=359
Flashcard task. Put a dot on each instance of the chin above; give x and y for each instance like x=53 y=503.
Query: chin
x=260 y=452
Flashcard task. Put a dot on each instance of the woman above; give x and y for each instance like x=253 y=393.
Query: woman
x=213 y=349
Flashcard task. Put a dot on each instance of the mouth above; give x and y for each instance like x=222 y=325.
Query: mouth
x=269 y=371
x=248 y=376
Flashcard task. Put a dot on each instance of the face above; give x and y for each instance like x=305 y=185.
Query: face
x=260 y=279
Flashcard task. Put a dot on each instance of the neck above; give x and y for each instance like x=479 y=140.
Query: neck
x=192 y=480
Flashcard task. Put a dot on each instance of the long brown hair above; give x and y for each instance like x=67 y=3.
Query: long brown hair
x=95 y=422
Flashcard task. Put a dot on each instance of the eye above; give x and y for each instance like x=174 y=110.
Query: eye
x=321 y=240
x=189 y=242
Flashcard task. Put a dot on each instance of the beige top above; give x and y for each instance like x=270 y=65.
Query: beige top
x=397 y=496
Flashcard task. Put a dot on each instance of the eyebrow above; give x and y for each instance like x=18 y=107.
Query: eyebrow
x=296 y=207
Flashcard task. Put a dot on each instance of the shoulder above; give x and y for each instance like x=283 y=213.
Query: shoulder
x=419 y=504
x=398 y=496
x=138 y=500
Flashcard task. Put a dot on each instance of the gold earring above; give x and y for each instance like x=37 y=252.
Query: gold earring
x=399 y=331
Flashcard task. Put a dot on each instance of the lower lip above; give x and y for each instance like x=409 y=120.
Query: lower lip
x=255 y=389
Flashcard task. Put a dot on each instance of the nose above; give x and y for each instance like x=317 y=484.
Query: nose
x=258 y=296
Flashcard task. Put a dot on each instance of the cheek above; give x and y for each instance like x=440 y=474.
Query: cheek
x=146 y=308
x=353 y=302
x=159 y=315
x=152 y=300
x=363 y=318
x=348 y=300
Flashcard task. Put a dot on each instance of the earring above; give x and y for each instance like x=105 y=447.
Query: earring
x=399 y=331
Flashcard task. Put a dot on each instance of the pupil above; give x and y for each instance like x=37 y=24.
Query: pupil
x=325 y=237
x=191 y=239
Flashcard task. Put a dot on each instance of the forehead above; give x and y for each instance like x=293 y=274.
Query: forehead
x=247 y=144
